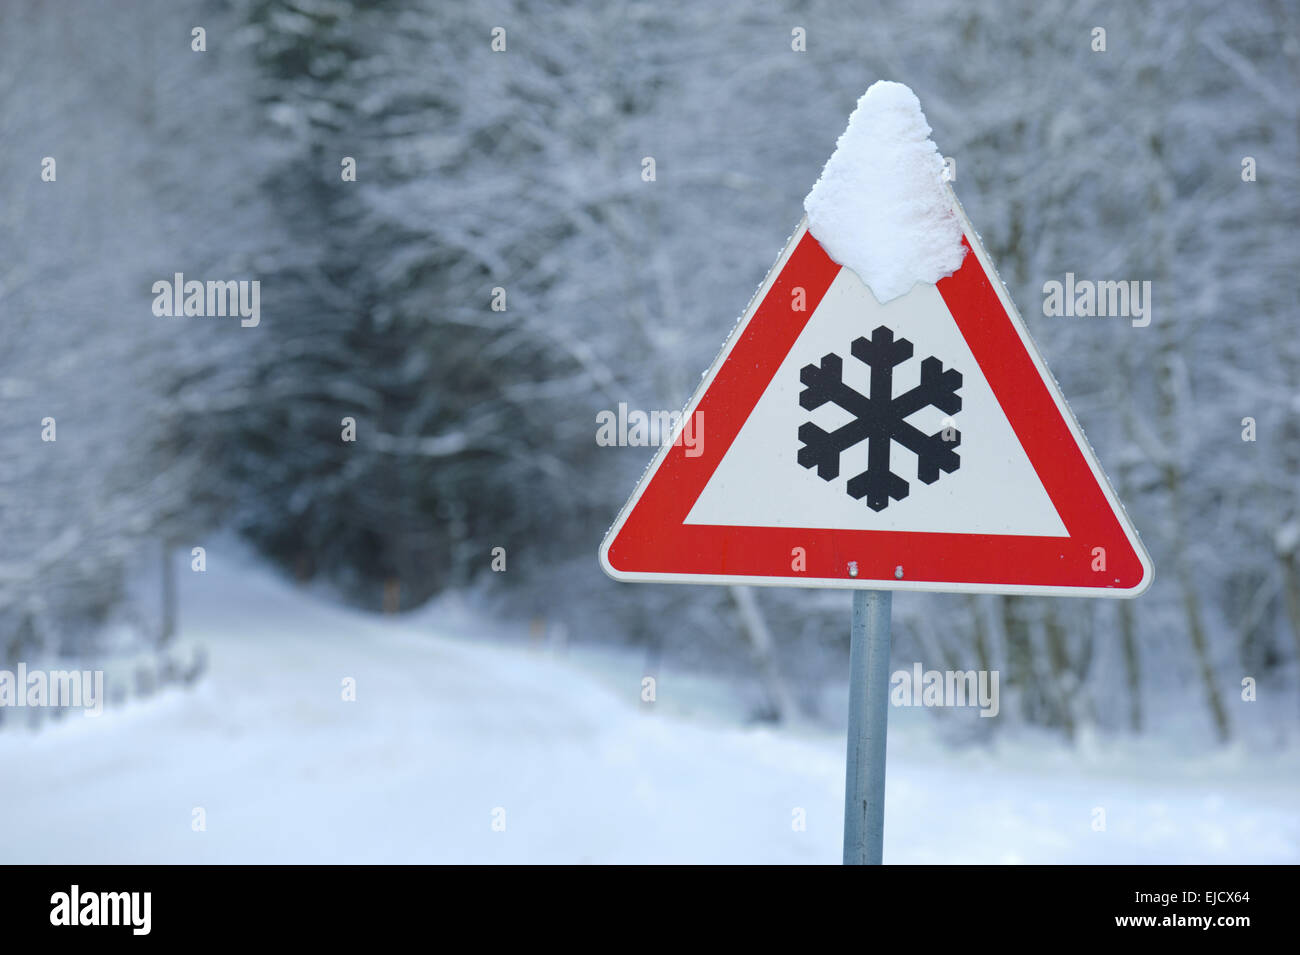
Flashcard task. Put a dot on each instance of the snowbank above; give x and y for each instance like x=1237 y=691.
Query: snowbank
x=880 y=207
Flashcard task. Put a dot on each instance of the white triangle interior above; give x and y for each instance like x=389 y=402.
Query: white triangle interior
x=760 y=483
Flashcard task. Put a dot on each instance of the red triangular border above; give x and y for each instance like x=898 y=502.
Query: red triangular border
x=651 y=542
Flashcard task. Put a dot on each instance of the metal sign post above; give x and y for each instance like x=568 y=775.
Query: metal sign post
x=864 y=784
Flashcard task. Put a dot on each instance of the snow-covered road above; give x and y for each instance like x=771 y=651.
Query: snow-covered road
x=451 y=732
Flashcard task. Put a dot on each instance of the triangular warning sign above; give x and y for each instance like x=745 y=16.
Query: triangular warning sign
x=917 y=445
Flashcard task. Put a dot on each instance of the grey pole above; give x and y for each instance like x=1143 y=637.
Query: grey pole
x=864 y=785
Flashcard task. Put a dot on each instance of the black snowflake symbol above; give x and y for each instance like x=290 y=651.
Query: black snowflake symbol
x=879 y=418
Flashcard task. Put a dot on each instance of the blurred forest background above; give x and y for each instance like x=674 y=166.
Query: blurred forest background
x=521 y=170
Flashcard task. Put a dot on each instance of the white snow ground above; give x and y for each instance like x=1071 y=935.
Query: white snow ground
x=448 y=726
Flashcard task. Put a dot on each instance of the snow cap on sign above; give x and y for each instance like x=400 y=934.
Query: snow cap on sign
x=880 y=207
